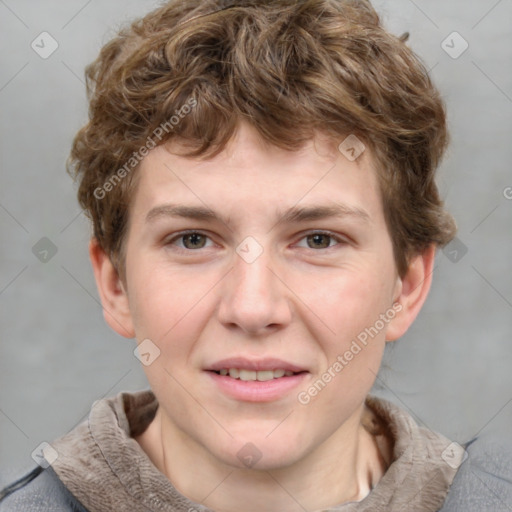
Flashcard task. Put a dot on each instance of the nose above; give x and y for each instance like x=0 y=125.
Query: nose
x=254 y=299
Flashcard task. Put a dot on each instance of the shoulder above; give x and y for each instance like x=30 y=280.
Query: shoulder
x=484 y=480
x=40 y=490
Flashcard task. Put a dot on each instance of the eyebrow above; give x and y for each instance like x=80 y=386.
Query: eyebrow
x=187 y=212
x=295 y=214
x=307 y=213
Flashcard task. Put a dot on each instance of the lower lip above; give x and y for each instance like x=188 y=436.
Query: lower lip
x=254 y=390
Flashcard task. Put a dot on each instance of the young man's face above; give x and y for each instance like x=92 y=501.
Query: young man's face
x=273 y=258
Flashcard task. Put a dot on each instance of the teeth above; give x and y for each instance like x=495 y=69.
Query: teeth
x=246 y=375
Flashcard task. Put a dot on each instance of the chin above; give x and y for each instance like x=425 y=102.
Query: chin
x=258 y=452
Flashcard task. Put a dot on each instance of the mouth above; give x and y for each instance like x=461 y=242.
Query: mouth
x=253 y=375
x=256 y=380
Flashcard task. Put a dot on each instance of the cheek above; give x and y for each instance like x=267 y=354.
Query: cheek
x=352 y=353
x=172 y=317
x=171 y=309
x=352 y=307
x=162 y=300
x=349 y=302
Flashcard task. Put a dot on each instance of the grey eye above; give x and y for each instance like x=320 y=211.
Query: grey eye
x=194 y=241
x=319 y=241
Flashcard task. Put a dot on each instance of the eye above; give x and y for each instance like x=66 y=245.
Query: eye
x=191 y=241
x=319 y=240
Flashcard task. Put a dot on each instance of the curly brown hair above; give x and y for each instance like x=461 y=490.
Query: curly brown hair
x=291 y=69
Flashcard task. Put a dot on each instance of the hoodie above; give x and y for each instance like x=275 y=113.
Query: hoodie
x=99 y=467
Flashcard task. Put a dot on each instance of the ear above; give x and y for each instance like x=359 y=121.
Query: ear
x=411 y=293
x=114 y=298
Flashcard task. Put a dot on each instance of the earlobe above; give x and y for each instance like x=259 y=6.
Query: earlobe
x=413 y=290
x=114 y=298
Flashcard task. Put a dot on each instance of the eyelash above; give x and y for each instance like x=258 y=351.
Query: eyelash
x=182 y=235
x=334 y=237
x=337 y=238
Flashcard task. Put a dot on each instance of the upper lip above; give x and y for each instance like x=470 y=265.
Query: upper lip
x=255 y=364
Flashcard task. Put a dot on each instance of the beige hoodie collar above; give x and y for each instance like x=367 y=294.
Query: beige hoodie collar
x=106 y=469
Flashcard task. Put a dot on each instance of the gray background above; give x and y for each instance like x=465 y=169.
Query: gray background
x=453 y=368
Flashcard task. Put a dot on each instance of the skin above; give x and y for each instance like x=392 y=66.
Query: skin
x=303 y=300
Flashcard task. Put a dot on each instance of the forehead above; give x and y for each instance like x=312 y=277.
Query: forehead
x=251 y=176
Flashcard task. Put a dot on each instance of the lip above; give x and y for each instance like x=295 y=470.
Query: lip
x=254 y=390
x=255 y=365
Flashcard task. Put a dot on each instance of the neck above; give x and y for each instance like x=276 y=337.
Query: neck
x=342 y=469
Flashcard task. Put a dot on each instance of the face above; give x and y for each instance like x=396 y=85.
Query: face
x=260 y=259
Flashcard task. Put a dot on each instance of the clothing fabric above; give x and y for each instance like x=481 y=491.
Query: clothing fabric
x=101 y=467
